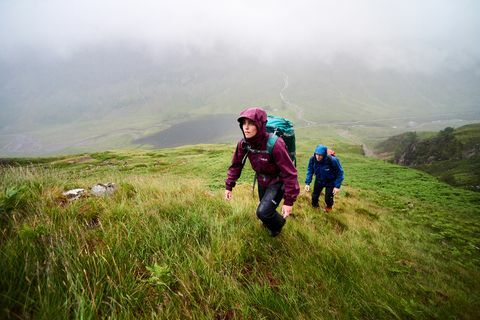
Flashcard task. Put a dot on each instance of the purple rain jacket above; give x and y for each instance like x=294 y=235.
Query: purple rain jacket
x=270 y=168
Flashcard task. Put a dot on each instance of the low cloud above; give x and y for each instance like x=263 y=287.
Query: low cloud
x=418 y=35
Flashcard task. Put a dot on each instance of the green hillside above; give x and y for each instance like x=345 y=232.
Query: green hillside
x=453 y=155
x=108 y=97
x=398 y=245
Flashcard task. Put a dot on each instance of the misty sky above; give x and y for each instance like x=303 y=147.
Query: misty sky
x=426 y=34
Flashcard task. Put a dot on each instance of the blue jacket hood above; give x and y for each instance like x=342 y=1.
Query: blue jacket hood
x=321 y=150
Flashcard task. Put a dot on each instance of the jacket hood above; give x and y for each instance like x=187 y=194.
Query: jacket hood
x=321 y=150
x=259 y=118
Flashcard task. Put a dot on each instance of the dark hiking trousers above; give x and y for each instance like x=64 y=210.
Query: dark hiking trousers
x=317 y=189
x=270 y=198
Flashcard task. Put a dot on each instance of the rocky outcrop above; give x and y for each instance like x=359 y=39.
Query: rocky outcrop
x=452 y=155
x=413 y=151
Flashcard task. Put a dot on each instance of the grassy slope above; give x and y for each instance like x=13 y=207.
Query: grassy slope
x=400 y=244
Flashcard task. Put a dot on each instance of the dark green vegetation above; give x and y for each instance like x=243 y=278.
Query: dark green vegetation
x=166 y=245
x=453 y=155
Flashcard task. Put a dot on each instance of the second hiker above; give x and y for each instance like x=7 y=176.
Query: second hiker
x=328 y=174
x=276 y=173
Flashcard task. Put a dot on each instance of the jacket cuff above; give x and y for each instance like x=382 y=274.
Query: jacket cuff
x=288 y=202
x=227 y=187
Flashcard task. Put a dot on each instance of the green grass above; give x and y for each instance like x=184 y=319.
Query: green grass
x=468 y=134
x=400 y=244
x=463 y=173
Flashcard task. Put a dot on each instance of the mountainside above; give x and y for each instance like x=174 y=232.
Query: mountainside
x=453 y=155
x=399 y=244
x=109 y=97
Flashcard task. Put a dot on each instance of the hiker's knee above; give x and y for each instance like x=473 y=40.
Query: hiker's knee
x=264 y=211
x=260 y=212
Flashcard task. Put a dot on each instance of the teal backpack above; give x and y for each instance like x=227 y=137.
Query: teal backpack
x=281 y=127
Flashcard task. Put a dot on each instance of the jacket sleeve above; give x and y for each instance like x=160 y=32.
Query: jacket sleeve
x=308 y=178
x=288 y=172
x=339 y=171
x=236 y=167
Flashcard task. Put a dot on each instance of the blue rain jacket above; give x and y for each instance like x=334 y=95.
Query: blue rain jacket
x=329 y=171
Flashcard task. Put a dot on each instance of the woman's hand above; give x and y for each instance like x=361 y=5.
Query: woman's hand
x=228 y=195
x=286 y=211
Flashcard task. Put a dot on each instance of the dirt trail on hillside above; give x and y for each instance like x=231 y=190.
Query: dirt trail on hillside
x=298 y=110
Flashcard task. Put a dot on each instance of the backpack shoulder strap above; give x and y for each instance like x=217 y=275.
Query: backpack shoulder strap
x=246 y=147
x=272 y=139
x=330 y=162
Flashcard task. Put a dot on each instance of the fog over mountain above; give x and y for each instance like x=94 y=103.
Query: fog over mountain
x=87 y=74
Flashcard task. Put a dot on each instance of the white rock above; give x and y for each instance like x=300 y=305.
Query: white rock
x=102 y=189
x=74 y=194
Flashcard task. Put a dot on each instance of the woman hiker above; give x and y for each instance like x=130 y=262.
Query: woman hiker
x=276 y=173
